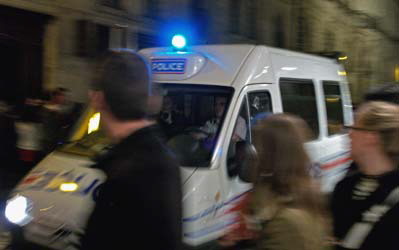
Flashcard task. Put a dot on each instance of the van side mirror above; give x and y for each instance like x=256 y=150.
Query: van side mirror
x=244 y=161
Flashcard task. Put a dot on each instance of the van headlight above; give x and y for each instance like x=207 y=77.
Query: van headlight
x=18 y=210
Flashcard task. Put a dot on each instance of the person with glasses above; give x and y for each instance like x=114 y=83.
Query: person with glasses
x=365 y=204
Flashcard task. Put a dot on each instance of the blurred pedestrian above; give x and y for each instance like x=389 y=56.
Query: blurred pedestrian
x=387 y=92
x=9 y=164
x=286 y=210
x=365 y=205
x=139 y=205
x=55 y=115
x=29 y=130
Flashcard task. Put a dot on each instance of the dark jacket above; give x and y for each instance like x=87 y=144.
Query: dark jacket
x=139 y=206
x=356 y=194
x=292 y=229
x=9 y=166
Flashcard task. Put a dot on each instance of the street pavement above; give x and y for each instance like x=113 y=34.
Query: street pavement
x=5 y=239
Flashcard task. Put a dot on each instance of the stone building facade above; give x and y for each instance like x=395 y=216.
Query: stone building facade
x=365 y=31
x=75 y=31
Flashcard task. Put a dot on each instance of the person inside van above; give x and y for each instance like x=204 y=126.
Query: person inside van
x=171 y=119
x=365 y=205
x=286 y=209
x=211 y=126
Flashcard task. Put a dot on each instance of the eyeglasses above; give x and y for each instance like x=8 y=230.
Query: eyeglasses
x=358 y=128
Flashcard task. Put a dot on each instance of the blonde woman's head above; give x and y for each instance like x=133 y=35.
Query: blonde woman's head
x=382 y=120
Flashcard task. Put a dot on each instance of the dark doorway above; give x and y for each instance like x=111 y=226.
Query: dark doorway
x=21 y=50
x=9 y=82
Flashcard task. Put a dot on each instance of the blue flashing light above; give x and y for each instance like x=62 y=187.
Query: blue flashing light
x=179 y=42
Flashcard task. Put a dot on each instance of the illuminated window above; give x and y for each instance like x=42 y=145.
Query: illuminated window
x=333 y=100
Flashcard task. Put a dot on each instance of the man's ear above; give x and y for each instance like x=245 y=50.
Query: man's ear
x=97 y=100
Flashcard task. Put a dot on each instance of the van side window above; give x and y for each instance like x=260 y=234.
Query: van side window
x=299 y=98
x=239 y=137
x=259 y=106
x=333 y=100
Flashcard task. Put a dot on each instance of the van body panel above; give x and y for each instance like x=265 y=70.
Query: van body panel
x=304 y=67
x=56 y=223
x=203 y=202
x=256 y=69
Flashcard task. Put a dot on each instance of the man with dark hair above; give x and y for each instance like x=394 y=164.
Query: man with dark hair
x=388 y=92
x=139 y=205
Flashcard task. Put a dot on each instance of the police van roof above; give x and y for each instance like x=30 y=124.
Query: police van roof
x=222 y=63
x=221 y=67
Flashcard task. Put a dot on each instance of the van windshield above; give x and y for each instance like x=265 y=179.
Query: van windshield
x=190 y=118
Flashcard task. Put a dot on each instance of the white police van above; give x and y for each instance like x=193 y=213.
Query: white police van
x=52 y=203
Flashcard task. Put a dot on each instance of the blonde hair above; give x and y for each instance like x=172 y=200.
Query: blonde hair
x=382 y=117
x=282 y=165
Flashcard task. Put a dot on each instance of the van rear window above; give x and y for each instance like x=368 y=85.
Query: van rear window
x=299 y=98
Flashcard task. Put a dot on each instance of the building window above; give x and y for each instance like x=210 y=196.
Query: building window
x=252 y=20
x=333 y=101
x=279 y=32
x=152 y=9
x=116 y=4
x=329 y=41
x=298 y=97
x=102 y=39
x=147 y=40
x=92 y=39
x=304 y=39
x=200 y=16
x=235 y=17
